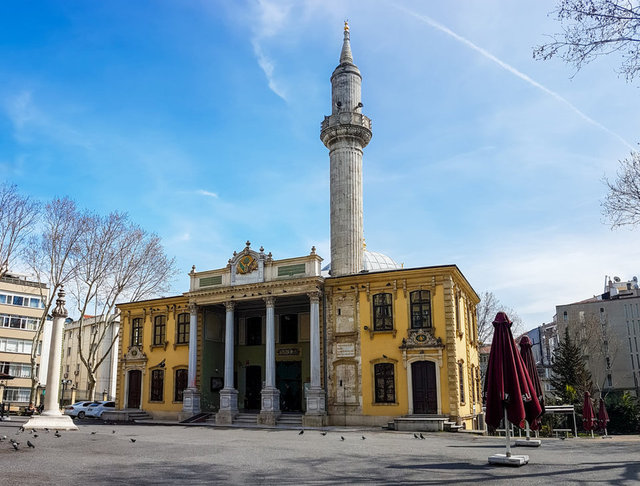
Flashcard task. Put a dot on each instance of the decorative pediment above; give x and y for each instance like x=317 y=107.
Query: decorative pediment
x=420 y=339
x=134 y=353
x=247 y=266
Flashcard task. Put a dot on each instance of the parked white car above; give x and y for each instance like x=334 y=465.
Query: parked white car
x=96 y=409
x=78 y=409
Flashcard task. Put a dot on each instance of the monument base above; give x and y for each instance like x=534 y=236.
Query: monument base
x=191 y=401
x=528 y=443
x=504 y=460
x=53 y=422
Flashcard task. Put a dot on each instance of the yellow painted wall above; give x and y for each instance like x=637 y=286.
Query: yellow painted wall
x=175 y=355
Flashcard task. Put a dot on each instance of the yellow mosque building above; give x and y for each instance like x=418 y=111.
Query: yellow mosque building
x=358 y=341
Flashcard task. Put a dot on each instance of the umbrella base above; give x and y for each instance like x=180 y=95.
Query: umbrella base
x=504 y=460
x=528 y=443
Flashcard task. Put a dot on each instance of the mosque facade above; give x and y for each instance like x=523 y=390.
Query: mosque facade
x=358 y=341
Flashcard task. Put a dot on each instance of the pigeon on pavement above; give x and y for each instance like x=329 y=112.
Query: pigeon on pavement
x=31 y=446
x=15 y=445
x=301 y=432
x=57 y=434
x=132 y=440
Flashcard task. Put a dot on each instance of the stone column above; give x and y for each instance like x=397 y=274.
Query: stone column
x=270 y=409
x=316 y=407
x=51 y=416
x=191 y=394
x=74 y=391
x=228 y=395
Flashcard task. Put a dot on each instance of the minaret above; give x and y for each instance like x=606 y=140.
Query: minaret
x=345 y=133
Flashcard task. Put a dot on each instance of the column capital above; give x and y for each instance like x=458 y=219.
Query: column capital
x=314 y=296
x=193 y=308
x=230 y=305
x=270 y=300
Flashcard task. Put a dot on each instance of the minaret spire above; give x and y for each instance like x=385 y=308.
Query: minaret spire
x=345 y=55
x=345 y=133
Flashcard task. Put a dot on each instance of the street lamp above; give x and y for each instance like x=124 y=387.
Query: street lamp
x=64 y=387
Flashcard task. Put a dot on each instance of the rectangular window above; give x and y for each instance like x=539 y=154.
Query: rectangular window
x=180 y=384
x=159 y=330
x=420 y=309
x=461 y=379
x=289 y=329
x=385 y=391
x=68 y=351
x=478 y=388
x=382 y=312
x=157 y=385
x=609 y=381
x=183 y=328
x=17 y=394
x=136 y=331
x=17 y=300
x=457 y=311
x=34 y=302
x=253 y=331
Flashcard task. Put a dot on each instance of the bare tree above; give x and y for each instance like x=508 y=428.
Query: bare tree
x=486 y=311
x=117 y=260
x=49 y=255
x=18 y=215
x=593 y=28
x=622 y=203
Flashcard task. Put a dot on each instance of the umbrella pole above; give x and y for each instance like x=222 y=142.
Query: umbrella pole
x=506 y=433
x=528 y=432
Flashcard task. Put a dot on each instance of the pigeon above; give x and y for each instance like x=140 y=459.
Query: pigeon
x=301 y=432
x=15 y=445
x=13 y=441
x=35 y=436
x=4 y=437
x=93 y=433
x=46 y=430
x=21 y=429
x=132 y=439
x=363 y=437
x=422 y=436
x=113 y=431
x=57 y=434
x=415 y=436
x=31 y=446
x=341 y=438
x=323 y=433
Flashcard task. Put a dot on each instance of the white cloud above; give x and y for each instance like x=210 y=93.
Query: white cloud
x=202 y=192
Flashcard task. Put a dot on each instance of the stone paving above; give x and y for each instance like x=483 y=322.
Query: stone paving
x=105 y=454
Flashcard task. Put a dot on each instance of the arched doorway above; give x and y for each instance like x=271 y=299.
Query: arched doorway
x=135 y=387
x=425 y=388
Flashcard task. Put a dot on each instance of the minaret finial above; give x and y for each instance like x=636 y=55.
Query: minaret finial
x=345 y=55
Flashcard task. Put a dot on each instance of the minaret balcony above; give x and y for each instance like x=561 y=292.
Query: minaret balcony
x=346 y=124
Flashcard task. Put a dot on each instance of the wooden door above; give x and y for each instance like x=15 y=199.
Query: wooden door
x=289 y=382
x=135 y=385
x=425 y=391
x=253 y=387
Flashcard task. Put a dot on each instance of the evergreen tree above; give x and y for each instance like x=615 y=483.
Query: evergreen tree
x=570 y=375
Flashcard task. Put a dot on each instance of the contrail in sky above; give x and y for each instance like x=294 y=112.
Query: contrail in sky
x=511 y=69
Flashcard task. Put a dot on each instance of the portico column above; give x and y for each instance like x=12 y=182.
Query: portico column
x=228 y=394
x=191 y=395
x=270 y=406
x=316 y=407
x=51 y=416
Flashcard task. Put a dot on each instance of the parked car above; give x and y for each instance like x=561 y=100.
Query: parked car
x=78 y=409
x=96 y=409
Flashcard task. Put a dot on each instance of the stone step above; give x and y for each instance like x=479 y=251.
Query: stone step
x=246 y=419
x=288 y=419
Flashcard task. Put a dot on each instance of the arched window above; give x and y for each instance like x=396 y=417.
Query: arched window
x=420 y=309
x=159 y=330
x=180 y=383
x=136 y=331
x=182 y=336
x=382 y=312
x=385 y=389
x=157 y=385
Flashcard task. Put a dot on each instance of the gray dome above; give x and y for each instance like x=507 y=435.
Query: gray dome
x=373 y=262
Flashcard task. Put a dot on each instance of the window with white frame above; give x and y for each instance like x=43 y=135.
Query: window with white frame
x=21 y=346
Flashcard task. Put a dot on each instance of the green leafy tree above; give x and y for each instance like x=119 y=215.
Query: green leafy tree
x=624 y=413
x=570 y=375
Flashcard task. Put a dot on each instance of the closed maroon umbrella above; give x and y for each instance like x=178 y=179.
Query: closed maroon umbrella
x=588 y=415
x=530 y=364
x=508 y=387
x=603 y=417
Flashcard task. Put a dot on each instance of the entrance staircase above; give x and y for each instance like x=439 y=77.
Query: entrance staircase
x=293 y=420
x=139 y=415
x=244 y=419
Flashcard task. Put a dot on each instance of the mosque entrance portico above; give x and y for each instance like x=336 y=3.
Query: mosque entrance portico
x=257 y=323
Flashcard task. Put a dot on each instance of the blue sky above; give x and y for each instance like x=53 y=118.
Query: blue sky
x=201 y=119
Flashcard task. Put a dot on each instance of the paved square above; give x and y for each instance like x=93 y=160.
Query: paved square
x=215 y=455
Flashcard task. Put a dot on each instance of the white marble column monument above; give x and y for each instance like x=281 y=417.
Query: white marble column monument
x=228 y=394
x=191 y=395
x=270 y=408
x=316 y=406
x=51 y=417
